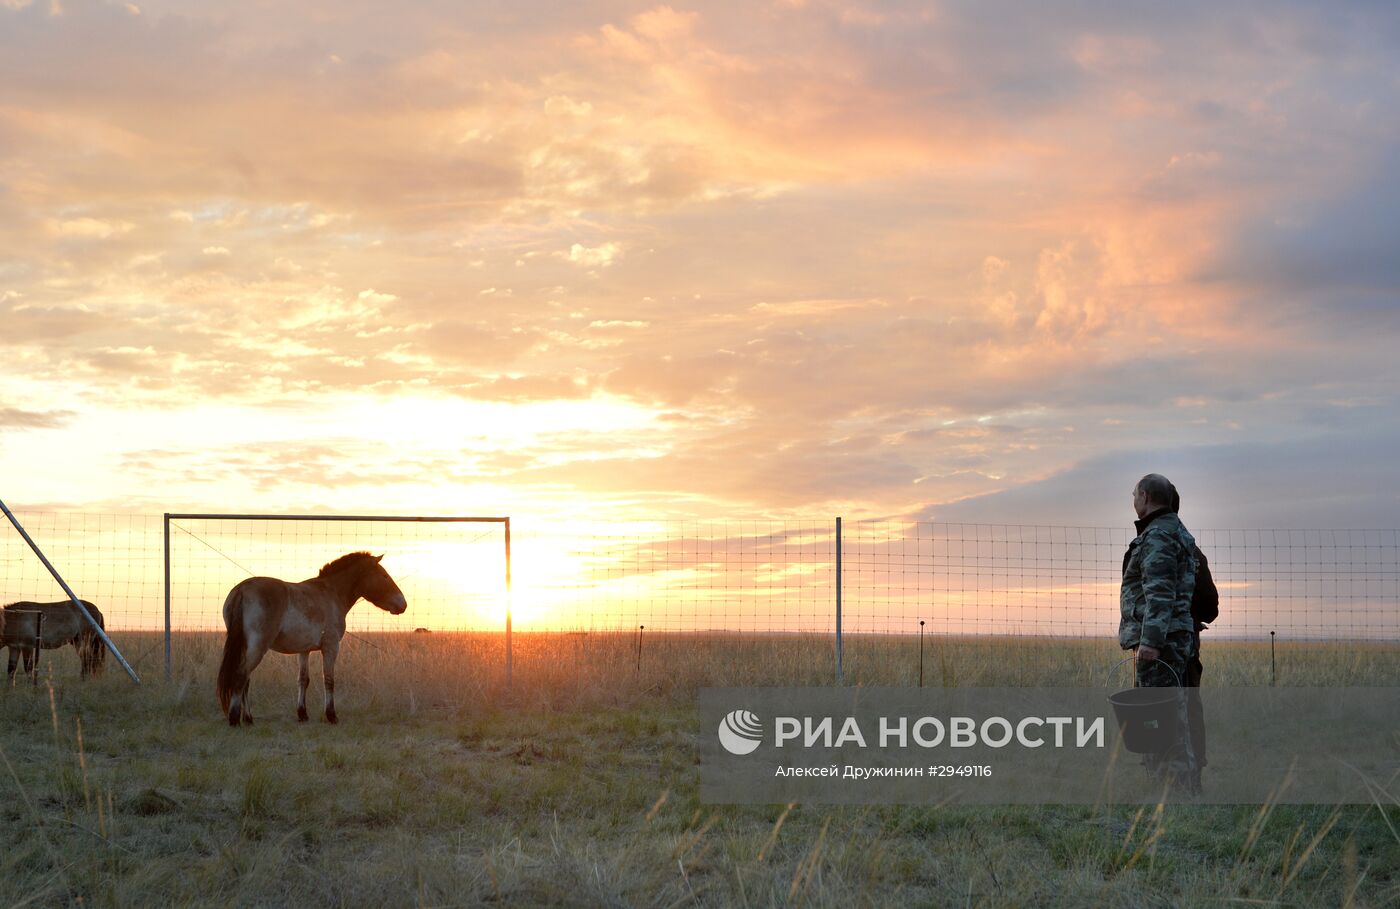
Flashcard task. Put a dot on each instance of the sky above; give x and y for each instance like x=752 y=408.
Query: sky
x=975 y=262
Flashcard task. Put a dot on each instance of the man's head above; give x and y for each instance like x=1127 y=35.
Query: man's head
x=1152 y=493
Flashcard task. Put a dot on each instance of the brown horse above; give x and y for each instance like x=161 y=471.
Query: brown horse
x=63 y=624
x=263 y=613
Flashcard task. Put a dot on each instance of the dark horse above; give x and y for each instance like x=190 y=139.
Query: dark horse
x=263 y=613
x=63 y=624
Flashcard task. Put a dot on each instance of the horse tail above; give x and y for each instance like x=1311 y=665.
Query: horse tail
x=235 y=645
x=96 y=655
x=92 y=651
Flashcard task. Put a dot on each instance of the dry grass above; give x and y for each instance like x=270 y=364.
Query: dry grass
x=578 y=786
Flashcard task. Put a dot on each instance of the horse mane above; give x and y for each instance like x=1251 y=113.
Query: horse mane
x=347 y=562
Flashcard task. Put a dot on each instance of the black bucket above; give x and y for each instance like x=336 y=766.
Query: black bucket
x=1148 y=718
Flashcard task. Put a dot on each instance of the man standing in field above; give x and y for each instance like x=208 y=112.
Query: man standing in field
x=1159 y=574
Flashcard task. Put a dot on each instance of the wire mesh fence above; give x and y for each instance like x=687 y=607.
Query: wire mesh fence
x=982 y=579
x=113 y=560
x=739 y=576
x=453 y=570
x=749 y=577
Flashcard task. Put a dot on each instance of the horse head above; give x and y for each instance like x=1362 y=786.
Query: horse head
x=361 y=575
x=377 y=587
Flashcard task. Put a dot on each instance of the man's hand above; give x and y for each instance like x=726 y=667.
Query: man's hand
x=1147 y=654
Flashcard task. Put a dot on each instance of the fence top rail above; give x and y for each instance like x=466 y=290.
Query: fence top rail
x=1126 y=526
x=337 y=517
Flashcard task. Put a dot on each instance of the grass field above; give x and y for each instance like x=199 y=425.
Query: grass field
x=578 y=785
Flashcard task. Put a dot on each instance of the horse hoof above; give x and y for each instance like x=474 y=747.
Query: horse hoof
x=302 y=716
x=330 y=717
x=233 y=718
x=247 y=719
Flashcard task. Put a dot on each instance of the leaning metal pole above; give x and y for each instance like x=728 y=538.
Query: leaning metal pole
x=82 y=610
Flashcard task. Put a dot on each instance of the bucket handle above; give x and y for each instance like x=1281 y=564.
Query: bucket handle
x=1114 y=668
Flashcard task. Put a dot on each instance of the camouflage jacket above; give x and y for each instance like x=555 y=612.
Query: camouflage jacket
x=1159 y=574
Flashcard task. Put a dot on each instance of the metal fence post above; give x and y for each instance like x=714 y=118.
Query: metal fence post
x=839 y=679
x=1273 y=667
x=169 y=670
x=510 y=660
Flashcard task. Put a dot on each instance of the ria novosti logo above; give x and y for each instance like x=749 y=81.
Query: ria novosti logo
x=740 y=732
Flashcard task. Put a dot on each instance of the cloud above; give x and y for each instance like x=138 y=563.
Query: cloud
x=92 y=228
x=1329 y=252
x=527 y=388
x=16 y=418
x=596 y=256
x=1334 y=481
x=862 y=254
x=618 y=323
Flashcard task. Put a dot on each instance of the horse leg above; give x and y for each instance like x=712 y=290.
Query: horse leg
x=31 y=662
x=328 y=655
x=238 y=707
x=14 y=662
x=303 y=680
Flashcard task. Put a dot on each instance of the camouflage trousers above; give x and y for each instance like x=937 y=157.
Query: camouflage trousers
x=1178 y=765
